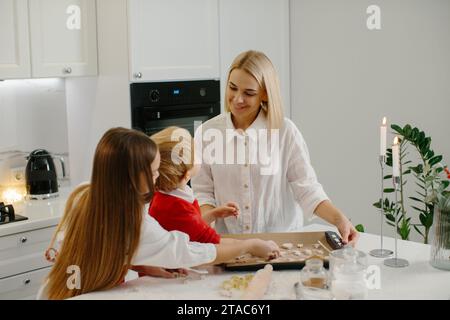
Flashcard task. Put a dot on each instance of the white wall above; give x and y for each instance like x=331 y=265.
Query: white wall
x=345 y=78
x=271 y=38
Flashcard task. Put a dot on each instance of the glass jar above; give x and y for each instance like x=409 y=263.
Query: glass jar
x=440 y=240
x=348 y=271
x=311 y=293
x=314 y=274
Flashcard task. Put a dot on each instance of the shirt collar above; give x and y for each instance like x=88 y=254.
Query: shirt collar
x=186 y=194
x=259 y=123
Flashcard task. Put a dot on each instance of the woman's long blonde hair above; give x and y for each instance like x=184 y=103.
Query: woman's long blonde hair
x=102 y=220
x=261 y=68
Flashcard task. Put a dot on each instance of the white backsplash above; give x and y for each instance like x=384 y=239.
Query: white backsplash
x=33 y=116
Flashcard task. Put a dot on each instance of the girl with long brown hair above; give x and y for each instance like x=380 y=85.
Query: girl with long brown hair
x=105 y=229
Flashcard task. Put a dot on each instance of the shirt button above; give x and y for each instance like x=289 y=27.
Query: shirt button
x=245 y=185
x=247 y=227
x=246 y=165
x=247 y=207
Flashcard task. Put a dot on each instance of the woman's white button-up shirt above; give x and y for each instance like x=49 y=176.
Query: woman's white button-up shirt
x=275 y=186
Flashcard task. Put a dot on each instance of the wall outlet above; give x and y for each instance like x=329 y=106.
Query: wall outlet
x=18 y=175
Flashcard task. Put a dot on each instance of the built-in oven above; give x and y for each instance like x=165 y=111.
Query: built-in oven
x=157 y=105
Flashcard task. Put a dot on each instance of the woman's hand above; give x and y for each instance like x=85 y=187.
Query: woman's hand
x=264 y=249
x=327 y=211
x=231 y=209
x=159 y=272
x=348 y=232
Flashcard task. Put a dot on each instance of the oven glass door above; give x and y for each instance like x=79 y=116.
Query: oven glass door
x=153 y=126
x=156 y=119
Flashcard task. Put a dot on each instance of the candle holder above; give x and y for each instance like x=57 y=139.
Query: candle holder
x=381 y=253
x=396 y=262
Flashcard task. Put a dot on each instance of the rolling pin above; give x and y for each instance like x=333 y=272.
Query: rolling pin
x=259 y=284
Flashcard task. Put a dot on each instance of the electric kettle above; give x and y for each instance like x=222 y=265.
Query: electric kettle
x=40 y=175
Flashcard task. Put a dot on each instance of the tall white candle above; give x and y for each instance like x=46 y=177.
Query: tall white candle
x=383 y=138
x=395 y=158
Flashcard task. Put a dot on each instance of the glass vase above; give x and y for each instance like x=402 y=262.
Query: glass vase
x=440 y=242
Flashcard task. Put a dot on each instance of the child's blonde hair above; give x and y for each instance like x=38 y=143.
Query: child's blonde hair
x=176 y=147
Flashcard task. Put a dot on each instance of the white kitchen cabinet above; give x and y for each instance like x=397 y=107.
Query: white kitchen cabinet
x=14 y=40
x=24 y=286
x=173 y=40
x=63 y=38
x=261 y=25
x=22 y=263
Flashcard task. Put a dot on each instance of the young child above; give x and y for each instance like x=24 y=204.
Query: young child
x=174 y=205
x=106 y=230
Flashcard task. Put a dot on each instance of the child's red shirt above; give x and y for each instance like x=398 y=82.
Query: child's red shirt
x=175 y=211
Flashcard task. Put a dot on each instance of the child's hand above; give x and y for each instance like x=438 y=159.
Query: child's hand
x=231 y=209
x=159 y=272
x=264 y=249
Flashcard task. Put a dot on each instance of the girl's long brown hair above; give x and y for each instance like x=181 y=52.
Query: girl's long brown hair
x=102 y=220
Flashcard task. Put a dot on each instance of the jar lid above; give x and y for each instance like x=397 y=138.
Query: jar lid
x=349 y=254
x=349 y=263
x=314 y=263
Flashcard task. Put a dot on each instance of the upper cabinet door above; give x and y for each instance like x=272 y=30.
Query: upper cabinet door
x=173 y=39
x=63 y=38
x=14 y=41
x=261 y=25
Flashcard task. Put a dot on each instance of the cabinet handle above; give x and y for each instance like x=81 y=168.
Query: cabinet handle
x=23 y=239
x=67 y=70
x=138 y=75
x=26 y=281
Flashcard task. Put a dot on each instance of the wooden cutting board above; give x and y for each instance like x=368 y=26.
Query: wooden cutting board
x=290 y=258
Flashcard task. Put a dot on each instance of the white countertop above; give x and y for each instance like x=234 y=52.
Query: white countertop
x=417 y=281
x=40 y=213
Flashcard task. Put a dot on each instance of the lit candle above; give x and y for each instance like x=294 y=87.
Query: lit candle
x=395 y=158
x=13 y=195
x=383 y=138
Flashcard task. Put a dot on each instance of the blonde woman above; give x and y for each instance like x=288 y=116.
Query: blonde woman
x=274 y=200
x=106 y=230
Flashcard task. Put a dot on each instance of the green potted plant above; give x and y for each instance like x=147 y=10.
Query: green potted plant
x=429 y=180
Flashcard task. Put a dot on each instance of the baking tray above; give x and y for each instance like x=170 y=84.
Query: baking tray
x=307 y=239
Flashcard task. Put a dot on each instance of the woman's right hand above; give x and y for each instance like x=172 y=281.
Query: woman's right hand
x=264 y=249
